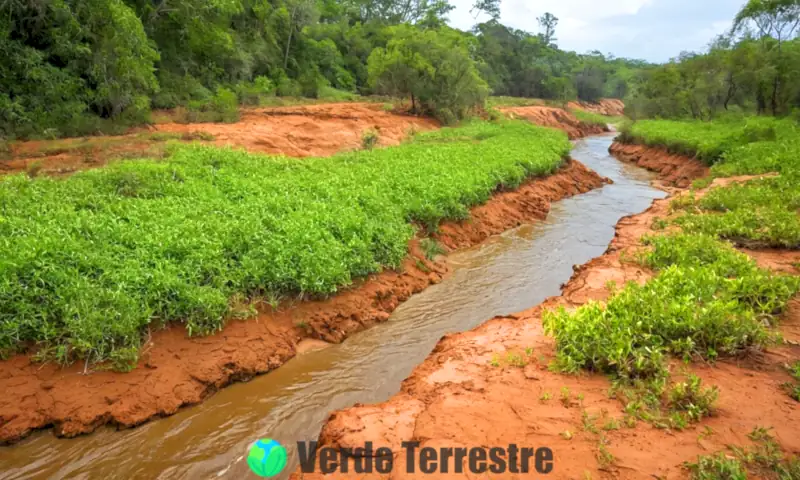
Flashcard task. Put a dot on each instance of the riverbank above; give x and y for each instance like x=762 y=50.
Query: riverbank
x=176 y=370
x=493 y=386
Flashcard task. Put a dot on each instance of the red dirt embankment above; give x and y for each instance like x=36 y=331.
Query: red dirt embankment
x=300 y=131
x=672 y=169
x=555 y=118
x=458 y=398
x=175 y=370
x=607 y=106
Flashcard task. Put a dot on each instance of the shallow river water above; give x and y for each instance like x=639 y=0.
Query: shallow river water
x=506 y=274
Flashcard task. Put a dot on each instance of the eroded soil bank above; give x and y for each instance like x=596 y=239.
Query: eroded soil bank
x=555 y=118
x=673 y=170
x=295 y=131
x=466 y=394
x=175 y=370
x=605 y=106
x=299 y=131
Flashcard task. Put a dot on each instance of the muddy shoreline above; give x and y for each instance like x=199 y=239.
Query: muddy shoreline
x=177 y=371
x=456 y=397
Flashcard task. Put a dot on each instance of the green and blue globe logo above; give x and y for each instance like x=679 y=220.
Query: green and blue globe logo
x=266 y=458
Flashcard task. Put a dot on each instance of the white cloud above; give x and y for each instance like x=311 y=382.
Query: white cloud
x=655 y=30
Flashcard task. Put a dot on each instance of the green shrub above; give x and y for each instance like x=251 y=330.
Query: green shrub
x=334 y=95
x=717 y=467
x=92 y=260
x=692 y=400
x=369 y=139
x=256 y=92
x=707 y=300
x=222 y=107
x=431 y=248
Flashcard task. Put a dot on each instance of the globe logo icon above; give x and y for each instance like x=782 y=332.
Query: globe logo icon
x=266 y=458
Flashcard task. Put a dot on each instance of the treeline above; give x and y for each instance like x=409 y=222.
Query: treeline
x=73 y=67
x=753 y=68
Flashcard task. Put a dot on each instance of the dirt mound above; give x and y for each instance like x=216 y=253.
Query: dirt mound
x=673 y=169
x=175 y=370
x=311 y=130
x=607 y=106
x=555 y=118
x=301 y=131
x=463 y=396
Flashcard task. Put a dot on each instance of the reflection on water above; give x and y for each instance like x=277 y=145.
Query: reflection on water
x=505 y=274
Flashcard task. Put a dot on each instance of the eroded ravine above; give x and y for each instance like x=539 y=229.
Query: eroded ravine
x=508 y=273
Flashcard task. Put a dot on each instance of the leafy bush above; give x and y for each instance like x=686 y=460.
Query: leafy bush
x=369 y=139
x=707 y=300
x=254 y=93
x=717 y=467
x=708 y=141
x=91 y=260
x=433 y=67
x=691 y=399
x=222 y=107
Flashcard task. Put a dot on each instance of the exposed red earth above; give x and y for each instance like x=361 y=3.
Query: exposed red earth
x=176 y=370
x=555 y=118
x=674 y=170
x=460 y=397
x=298 y=131
x=606 y=106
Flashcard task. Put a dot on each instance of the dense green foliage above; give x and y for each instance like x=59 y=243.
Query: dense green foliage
x=707 y=300
x=762 y=212
x=708 y=141
x=90 y=261
x=755 y=68
x=433 y=68
x=75 y=67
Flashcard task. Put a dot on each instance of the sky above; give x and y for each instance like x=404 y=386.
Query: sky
x=653 y=30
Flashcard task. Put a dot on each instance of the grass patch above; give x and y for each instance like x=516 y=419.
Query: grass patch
x=759 y=213
x=710 y=142
x=596 y=119
x=91 y=261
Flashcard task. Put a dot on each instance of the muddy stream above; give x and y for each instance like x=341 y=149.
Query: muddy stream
x=506 y=274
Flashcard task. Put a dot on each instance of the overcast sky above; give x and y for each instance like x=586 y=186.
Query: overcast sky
x=654 y=30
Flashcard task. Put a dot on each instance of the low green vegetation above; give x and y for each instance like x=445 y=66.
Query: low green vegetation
x=708 y=141
x=764 y=459
x=758 y=213
x=83 y=67
x=596 y=118
x=793 y=388
x=91 y=261
x=502 y=101
x=707 y=300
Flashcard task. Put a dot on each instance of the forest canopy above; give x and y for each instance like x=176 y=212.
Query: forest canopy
x=752 y=68
x=75 y=67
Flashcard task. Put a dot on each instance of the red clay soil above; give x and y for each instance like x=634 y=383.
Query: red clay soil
x=310 y=130
x=607 y=106
x=176 y=370
x=301 y=131
x=673 y=170
x=555 y=118
x=457 y=398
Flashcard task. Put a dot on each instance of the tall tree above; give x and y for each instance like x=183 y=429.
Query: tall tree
x=548 y=22
x=489 y=7
x=776 y=20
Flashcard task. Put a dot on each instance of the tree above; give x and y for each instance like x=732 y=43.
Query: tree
x=433 y=68
x=489 y=7
x=776 y=20
x=548 y=22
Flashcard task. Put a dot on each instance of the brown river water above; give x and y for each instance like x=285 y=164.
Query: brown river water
x=506 y=274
